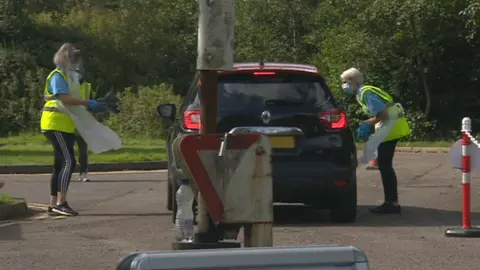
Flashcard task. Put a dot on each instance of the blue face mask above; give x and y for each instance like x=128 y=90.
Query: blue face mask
x=347 y=89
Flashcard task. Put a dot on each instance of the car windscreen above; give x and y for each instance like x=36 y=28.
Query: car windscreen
x=250 y=91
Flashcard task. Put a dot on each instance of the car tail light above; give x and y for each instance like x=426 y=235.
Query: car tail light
x=341 y=183
x=264 y=73
x=333 y=119
x=191 y=119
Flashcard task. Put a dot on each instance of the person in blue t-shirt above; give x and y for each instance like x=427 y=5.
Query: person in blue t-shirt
x=59 y=128
x=374 y=101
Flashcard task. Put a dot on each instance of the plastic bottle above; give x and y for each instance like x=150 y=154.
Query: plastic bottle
x=184 y=223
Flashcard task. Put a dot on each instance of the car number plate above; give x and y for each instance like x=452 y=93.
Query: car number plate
x=285 y=142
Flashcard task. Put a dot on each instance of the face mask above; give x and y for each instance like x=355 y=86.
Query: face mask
x=347 y=88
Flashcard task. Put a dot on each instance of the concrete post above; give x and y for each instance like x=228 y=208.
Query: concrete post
x=215 y=52
x=260 y=234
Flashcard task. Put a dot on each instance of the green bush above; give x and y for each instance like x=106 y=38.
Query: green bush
x=422 y=128
x=139 y=111
x=21 y=92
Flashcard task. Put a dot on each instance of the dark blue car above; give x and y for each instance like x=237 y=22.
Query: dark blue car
x=315 y=166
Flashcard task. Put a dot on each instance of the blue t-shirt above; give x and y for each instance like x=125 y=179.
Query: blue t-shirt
x=373 y=101
x=58 y=85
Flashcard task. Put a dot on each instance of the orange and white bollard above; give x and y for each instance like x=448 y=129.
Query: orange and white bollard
x=466 y=230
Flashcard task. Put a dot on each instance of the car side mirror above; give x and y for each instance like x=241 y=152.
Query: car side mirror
x=167 y=111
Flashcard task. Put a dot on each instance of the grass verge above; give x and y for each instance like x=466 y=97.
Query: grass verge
x=6 y=199
x=36 y=150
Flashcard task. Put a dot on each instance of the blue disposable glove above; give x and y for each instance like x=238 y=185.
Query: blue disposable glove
x=364 y=131
x=96 y=106
x=111 y=102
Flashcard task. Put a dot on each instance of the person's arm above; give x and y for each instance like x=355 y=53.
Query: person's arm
x=377 y=106
x=67 y=99
x=59 y=88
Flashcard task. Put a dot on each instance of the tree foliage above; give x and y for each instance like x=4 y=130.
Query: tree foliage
x=425 y=52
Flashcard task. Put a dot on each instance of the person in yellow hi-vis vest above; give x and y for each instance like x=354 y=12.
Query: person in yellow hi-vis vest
x=87 y=94
x=59 y=127
x=379 y=105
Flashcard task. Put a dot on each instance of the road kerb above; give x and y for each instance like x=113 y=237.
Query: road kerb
x=93 y=167
x=162 y=165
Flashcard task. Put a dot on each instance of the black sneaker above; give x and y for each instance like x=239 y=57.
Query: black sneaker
x=387 y=208
x=64 y=209
x=50 y=211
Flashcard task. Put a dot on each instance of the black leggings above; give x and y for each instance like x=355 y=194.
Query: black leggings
x=386 y=151
x=64 y=160
x=83 y=153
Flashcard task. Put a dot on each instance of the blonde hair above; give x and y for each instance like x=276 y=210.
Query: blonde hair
x=352 y=75
x=66 y=56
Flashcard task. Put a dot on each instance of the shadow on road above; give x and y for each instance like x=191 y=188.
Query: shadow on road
x=126 y=215
x=302 y=216
x=10 y=232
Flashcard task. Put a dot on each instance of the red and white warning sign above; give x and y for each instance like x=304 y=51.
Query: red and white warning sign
x=230 y=180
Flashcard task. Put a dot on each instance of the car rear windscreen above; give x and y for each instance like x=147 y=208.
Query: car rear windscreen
x=249 y=91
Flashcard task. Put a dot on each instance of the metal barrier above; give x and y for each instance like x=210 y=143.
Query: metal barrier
x=325 y=257
x=466 y=142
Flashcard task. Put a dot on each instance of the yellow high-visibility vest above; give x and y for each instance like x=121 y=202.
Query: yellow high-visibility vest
x=52 y=118
x=401 y=128
x=86 y=89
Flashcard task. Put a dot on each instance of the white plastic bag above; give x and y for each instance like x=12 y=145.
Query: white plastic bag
x=98 y=137
x=456 y=156
x=383 y=130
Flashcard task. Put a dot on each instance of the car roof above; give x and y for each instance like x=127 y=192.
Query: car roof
x=275 y=66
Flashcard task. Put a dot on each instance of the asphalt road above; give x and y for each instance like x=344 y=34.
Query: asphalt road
x=125 y=212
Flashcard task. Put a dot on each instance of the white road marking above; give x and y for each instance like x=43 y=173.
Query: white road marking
x=38 y=205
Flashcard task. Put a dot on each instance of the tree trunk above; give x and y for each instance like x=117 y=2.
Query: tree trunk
x=422 y=69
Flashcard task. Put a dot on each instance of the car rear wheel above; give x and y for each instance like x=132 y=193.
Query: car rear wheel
x=344 y=205
x=173 y=201
x=169 y=196
x=170 y=189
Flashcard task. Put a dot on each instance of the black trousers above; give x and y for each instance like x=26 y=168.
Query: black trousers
x=64 y=160
x=386 y=151
x=83 y=153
